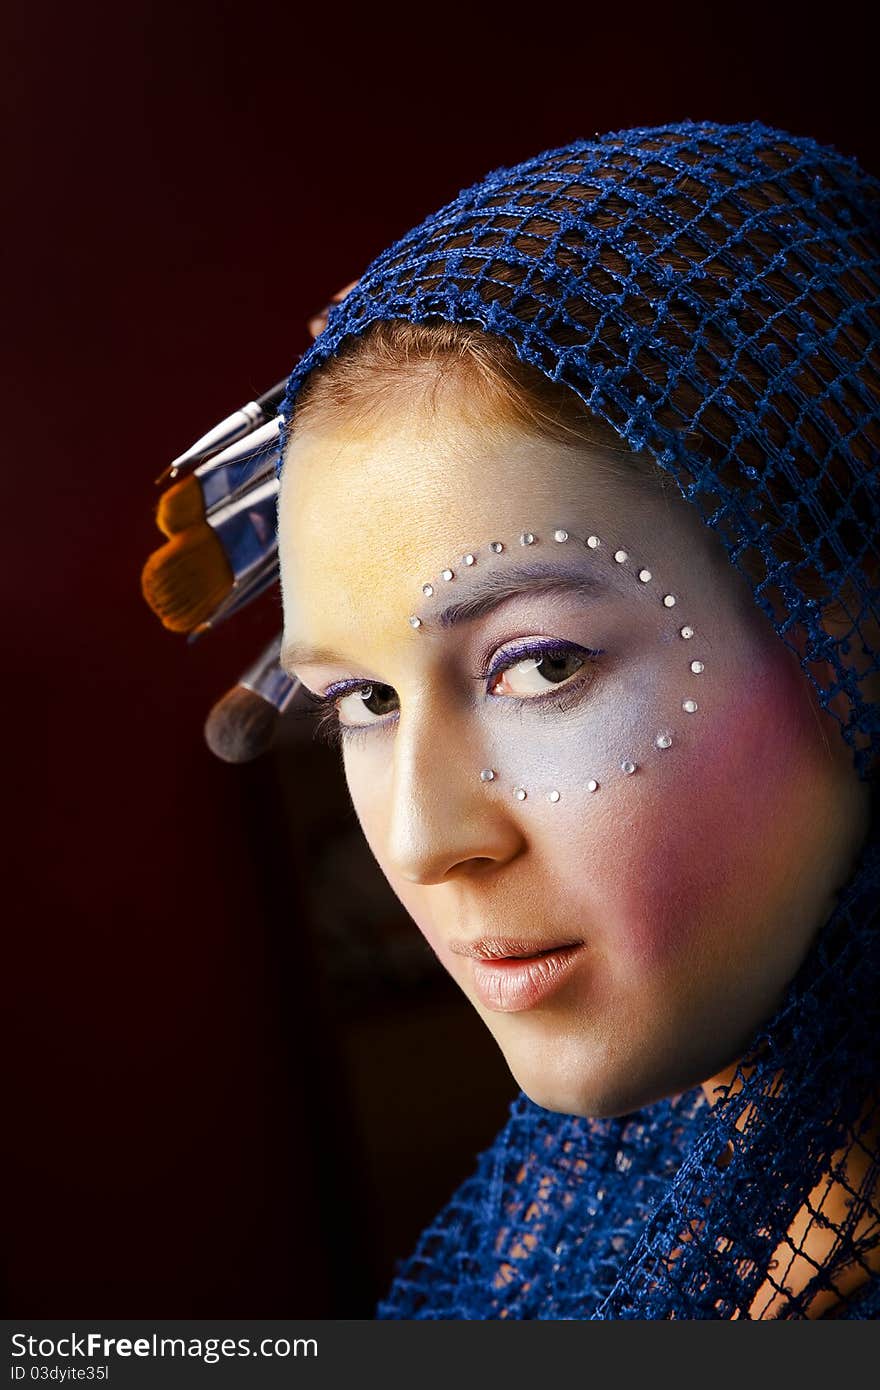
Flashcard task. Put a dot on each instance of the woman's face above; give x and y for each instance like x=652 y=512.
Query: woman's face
x=687 y=891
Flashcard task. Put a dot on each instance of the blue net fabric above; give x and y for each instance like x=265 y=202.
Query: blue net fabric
x=711 y=291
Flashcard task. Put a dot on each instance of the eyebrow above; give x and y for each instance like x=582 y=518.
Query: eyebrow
x=485 y=594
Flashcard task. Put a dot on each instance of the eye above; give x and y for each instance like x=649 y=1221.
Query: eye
x=530 y=673
x=354 y=699
x=538 y=672
x=374 y=698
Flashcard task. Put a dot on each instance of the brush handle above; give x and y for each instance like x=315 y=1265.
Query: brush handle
x=268 y=436
x=271 y=399
x=239 y=423
x=266 y=678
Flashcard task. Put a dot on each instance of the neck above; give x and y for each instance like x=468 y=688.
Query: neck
x=807 y=1244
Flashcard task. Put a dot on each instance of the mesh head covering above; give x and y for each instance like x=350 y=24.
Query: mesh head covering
x=711 y=291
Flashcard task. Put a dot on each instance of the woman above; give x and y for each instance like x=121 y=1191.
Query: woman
x=577 y=535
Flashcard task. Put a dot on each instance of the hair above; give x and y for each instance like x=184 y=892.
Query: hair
x=367 y=375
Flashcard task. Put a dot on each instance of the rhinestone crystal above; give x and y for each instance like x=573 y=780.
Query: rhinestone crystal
x=669 y=600
x=414 y=621
x=687 y=631
x=497 y=546
x=427 y=590
x=553 y=796
x=469 y=559
x=621 y=556
x=689 y=706
x=519 y=793
x=448 y=574
x=645 y=576
x=697 y=667
x=627 y=766
x=663 y=741
x=592 y=785
x=487 y=775
x=527 y=538
x=560 y=535
x=593 y=542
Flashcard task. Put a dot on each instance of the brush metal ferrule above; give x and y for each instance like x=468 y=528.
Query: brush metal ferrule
x=241 y=422
x=247 y=528
x=230 y=481
x=266 y=678
x=268 y=436
x=255 y=582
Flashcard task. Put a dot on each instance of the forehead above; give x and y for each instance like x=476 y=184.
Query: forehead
x=400 y=483
x=369 y=506
x=367 y=517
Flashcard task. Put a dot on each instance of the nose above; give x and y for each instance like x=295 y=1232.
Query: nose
x=444 y=821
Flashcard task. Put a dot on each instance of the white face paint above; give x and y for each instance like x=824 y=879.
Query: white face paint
x=694 y=871
x=485 y=581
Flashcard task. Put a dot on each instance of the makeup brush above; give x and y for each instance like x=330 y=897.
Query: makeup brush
x=220 y=480
x=247 y=418
x=256 y=581
x=243 y=724
x=221 y=551
x=186 y=580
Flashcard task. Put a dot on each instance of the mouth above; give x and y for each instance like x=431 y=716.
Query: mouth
x=512 y=982
x=495 y=948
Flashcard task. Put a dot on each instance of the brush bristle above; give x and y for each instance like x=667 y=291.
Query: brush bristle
x=180 y=507
x=241 y=726
x=185 y=580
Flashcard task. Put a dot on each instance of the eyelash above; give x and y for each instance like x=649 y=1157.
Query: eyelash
x=322 y=709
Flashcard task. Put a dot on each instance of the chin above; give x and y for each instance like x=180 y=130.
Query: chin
x=592 y=1092
x=591 y=1105
x=587 y=1096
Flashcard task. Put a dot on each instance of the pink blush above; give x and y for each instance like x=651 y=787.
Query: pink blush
x=722 y=815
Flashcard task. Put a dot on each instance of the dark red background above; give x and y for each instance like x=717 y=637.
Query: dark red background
x=186 y=184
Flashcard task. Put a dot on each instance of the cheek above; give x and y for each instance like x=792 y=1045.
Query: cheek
x=686 y=863
x=709 y=848
x=678 y=865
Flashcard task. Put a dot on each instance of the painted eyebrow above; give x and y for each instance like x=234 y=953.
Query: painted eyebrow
x=484 y=595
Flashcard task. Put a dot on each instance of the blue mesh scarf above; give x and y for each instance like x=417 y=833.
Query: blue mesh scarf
x=646 y=270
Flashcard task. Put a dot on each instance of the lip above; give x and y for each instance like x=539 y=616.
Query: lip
x=512 y=984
